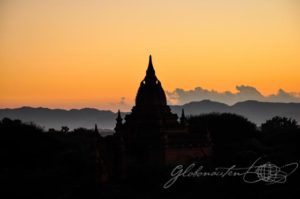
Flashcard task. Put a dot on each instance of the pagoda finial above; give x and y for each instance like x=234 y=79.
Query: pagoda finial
x=183 y=119
x=96 y=128
x=119 y=118
x=182 y=113
x=150 y=59
x=150 y=69
x=119 y=123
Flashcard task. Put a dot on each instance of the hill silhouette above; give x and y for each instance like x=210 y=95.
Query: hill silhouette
x=255 y=111
x=56 y=118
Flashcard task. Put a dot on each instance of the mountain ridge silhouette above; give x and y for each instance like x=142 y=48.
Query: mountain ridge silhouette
x=256 y=111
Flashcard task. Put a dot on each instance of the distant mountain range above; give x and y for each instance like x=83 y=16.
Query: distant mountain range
x=56 y=118
x=255 y=111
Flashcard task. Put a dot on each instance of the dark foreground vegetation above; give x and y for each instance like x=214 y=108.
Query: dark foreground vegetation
x=69 y=164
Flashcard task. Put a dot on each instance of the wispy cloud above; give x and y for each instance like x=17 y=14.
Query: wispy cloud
x=181 y=96
x=122 y=105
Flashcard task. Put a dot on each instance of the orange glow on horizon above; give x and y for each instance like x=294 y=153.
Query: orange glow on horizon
x=72 y=54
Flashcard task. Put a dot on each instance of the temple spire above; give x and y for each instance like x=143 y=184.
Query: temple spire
x=150 y=70
x=119 y=117
x=150 y=92
x=96 y=128
x=150 y=59
x=119 y=123
x=183 y=119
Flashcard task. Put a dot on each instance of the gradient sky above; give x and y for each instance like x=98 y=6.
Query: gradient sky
x=91 y=53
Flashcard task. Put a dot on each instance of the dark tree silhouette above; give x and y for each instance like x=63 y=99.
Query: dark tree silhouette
x=225 y=127
x=278 y=124
x=282 y=136
x=39 y=164
x=76 y=164
x=65 y=129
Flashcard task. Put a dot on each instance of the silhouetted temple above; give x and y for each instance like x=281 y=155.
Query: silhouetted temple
x=151 y=134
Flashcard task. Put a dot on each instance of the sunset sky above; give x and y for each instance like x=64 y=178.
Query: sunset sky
x=94 y=53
